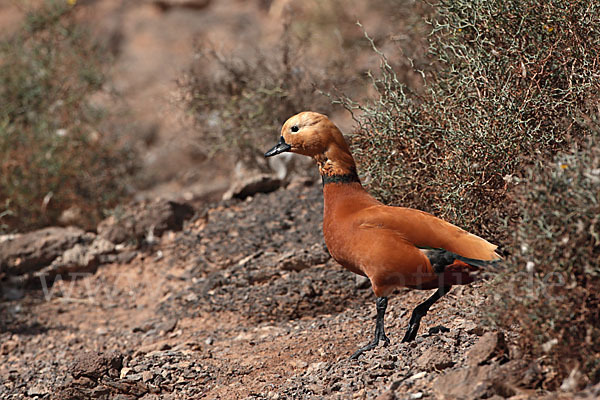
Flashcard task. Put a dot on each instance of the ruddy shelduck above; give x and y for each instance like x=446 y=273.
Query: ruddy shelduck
x=392 y=246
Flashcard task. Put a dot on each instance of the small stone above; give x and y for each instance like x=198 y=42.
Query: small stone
x=135 y=377
x=575 y=381
x=298 y=260
x=147 y=376
x=37 y=390
x=101 y=331
x=435 y=330
x=126 y=256
x=314 y=367
x=299 y=364
x=140 y=367
x=166 y=374
x=362 y=282
x=145 y=327
x=192 y=297
x=417 y=376
x=387 y=395
x=73 y=216
x=194 y=346
x=549 y=345
x=166 y=327
x=124 y=372
x=8 y=346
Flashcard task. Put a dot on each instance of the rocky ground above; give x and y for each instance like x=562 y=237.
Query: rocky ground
x=240 y=300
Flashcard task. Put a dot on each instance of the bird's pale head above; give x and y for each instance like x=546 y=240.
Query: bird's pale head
x=314 y=135
x=307 y=133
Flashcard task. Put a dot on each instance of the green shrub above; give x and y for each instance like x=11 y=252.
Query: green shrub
x=511 y=85
x=508 y=81
x=551 y=290
x=53 y=153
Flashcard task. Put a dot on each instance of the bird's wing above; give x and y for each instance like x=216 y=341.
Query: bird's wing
x=426 y=231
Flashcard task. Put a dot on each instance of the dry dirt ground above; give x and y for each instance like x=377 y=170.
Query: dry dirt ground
x=245 y=302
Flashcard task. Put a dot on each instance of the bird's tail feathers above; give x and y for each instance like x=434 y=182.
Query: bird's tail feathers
x=494 y=264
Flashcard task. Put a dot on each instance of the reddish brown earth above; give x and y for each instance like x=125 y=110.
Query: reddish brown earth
x=244 y=302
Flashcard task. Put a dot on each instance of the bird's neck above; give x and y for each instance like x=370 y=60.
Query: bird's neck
x=337 y=165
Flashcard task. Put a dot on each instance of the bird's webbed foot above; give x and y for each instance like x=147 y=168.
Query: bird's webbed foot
x=379 y=330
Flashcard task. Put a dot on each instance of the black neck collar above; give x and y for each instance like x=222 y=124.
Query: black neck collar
x=346 y=178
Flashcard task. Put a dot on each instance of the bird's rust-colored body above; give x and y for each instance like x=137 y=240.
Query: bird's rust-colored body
x=384 y=243
x=392 y=246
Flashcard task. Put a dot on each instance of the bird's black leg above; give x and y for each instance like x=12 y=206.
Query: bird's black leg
x=379 y=330
x=420 y=311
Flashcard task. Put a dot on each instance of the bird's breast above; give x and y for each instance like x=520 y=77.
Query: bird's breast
x=340 y=243
x=341 y=203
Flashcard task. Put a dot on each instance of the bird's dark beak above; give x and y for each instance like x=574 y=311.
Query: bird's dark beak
x=280 y=147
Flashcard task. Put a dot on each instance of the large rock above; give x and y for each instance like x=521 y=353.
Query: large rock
x=28 y=252
x=476 y=382
x=297 y=260
x=490 y=346
x=434 y=358
x=95 y=365
x=82 y=257
x=96 y=375
x=249 y=186
x=148 y=218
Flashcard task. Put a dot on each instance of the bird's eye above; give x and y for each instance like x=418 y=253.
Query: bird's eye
x=295 y=128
